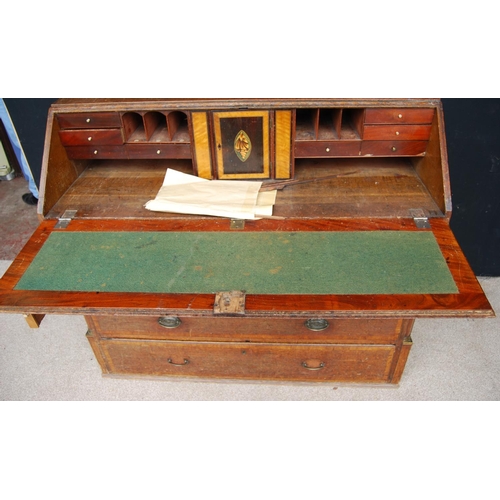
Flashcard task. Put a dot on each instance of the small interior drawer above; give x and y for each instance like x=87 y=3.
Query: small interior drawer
x=394 y=148
x=89 y=137
x=233 y=329
x=291 y=362
x=326 y=149
x=397 y=132
x=89 y=120
x=96 y=152
x=153 y=151
x=396 y=115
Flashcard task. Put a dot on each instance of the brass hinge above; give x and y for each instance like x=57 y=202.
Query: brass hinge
x=65 y=219
x=229 y=303
x=237 y=224
x=421 y=220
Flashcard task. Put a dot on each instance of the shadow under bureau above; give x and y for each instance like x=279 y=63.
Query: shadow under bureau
x=325 y=290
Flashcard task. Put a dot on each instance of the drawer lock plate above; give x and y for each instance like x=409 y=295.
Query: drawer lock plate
x=229 y=303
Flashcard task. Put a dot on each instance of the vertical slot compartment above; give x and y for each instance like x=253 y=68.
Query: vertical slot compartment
x=155 y=125
x=306 y=124
x=329 y=127
x=178 y=130
x=133 y=127
x=352 y=124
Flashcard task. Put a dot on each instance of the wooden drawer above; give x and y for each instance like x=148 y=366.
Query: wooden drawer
x=152 y=151
x=396 y=115
x=232 y=329
x=326 y=149
x=89 y=120
x=96 y=152
x=393 y=148
x=397 y=132
x=291 y=362
x=100 y=137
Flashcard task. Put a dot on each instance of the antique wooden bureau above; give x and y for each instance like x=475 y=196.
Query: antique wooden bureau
x=325 y=290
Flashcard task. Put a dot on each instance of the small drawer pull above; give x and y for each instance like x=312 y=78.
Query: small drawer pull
x=170 y=362
x=89 y=138
x=313 y=368
x=317 y=325
x=169 y=321
x=394 y=149
x=88 y=120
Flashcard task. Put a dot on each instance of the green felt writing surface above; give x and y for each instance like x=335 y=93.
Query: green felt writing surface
x=372 y=262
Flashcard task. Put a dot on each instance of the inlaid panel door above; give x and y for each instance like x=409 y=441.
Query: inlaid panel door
x=242 y=144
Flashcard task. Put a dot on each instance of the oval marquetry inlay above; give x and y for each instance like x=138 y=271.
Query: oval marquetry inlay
x=242 y=146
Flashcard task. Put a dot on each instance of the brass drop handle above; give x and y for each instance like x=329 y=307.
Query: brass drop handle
x=170 y=362
x=169 y=322
x=313 y=368
x=317 y=324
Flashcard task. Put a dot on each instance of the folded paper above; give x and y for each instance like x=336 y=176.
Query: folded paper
x=187 y=194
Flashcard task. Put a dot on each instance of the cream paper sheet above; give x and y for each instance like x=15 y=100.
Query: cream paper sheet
x=187 y=194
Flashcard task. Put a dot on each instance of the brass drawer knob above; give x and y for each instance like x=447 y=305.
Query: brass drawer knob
x=169 y=322
x=317 y=325
x=88 y=120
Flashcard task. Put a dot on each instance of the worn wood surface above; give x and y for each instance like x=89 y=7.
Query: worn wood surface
x=315 y=363
x=242 y=329
x=374 y=188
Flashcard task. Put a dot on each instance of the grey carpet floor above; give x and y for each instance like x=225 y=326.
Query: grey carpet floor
x=451 y=360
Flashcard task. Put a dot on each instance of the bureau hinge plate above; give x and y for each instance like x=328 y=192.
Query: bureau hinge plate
x=237 y=224
x=229 y=303
x=420 y=218
x=65 y=219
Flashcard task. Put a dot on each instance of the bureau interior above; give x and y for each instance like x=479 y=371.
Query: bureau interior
x=342 y=187
x=109 y=165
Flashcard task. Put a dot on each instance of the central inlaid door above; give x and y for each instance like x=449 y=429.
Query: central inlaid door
x=242 y=144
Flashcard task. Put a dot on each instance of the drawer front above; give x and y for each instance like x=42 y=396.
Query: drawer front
x=89 y=120
x=397 y=132
x=293 y=362
x=152 y=151
x=96 y=152
x=403 y=115
x=106 y=137
x=393 y=148
x=231 y=329
x=325 y=149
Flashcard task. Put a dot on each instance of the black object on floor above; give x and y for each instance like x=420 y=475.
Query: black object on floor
x=30 y=199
